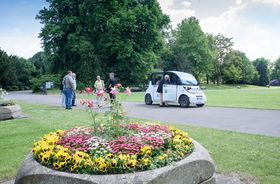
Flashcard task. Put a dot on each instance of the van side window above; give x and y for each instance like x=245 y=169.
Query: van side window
x=156 y=78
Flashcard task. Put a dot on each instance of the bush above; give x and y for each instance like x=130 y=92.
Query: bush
x=37 y=82
x=12 y=88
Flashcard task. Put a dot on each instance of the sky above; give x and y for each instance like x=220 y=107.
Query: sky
x=253 y=25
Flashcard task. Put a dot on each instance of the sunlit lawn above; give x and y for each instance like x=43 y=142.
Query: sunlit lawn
x=232 y=152
x=231 y=96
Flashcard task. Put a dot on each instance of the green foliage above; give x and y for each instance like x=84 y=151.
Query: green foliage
x=261 y=66
x=220 y=47
x=276 y=70
x=40 y=63
x=39 y=81
x=93 y=37
x=237 y=68
x=189 y=49
x=15 y=72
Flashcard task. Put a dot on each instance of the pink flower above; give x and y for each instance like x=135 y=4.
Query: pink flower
x=90 y=103
x=100 y=92
x=127 y=91
x=114 y=91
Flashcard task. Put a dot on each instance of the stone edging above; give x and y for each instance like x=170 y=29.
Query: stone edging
x=197 y=168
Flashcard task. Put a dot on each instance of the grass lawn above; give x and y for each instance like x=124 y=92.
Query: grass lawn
x=231 y=96
x=258 y=156
x=247 y=96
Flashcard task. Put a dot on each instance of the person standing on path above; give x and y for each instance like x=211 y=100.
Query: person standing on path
x=99 y=86
x=75 y=86
x=111 y=84
x=68 y=87
x=166 y=80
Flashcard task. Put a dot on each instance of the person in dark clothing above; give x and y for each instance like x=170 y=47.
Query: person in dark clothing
x=166 y=80
x=111 y=84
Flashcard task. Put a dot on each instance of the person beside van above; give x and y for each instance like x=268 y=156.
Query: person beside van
x=166 y=80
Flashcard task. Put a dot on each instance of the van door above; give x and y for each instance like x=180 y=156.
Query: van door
x=156 y=78
x=170 y=90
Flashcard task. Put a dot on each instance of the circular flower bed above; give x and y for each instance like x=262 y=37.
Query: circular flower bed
x=141 y=147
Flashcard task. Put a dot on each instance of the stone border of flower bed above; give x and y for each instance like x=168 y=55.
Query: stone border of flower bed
x=197 y=168
x=10 y=112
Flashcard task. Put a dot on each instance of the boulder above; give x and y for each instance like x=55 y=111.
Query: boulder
x=9 y=112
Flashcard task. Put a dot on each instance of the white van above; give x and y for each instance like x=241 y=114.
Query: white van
x=183 y=89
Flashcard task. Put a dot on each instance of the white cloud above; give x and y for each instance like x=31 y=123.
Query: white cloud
x=238 y=2
x=253 y=38
x=269 y=2
x=21 y=45
x=176 y=15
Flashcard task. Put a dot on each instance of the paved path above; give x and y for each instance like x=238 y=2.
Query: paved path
x=253 y=121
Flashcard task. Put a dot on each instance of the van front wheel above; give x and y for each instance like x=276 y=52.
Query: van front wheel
x=148 y=99
x=184 y=101
x=199 y=105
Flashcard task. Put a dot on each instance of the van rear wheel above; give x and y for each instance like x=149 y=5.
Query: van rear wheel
x=148 y=99
x=184 y=101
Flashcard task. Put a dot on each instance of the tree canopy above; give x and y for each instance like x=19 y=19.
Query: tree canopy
x=94 y=37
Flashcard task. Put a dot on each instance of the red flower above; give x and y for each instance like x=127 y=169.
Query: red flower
x=89 y=89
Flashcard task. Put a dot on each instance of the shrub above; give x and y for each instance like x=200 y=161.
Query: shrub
x=38 y=82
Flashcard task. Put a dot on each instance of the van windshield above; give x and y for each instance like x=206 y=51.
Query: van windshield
x=187 y=79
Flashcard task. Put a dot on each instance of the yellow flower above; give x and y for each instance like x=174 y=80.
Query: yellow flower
x=146 y=161
x=102 y=167
x=81 y=154
x=160 y=157
x=88 y=163
x=60 y=132
x=145 y=150
x=109 y=155
x=61 y=155
x=56 y=165
x=73 y=168
x=46 y=156
x=123 y=157
x=131 y=163
x=113 y=163
x=99 y=161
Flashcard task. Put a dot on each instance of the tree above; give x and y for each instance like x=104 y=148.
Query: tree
x=7 y=71
x=190 y=49
x=15 y=72
x=237 y=68
x=94 y=37
x=261 y=66
x=221 y=46
x=39 y=61
x=276 y=70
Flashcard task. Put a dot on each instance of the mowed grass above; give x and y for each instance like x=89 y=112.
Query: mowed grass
x=231 y=96
x=257 y=156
